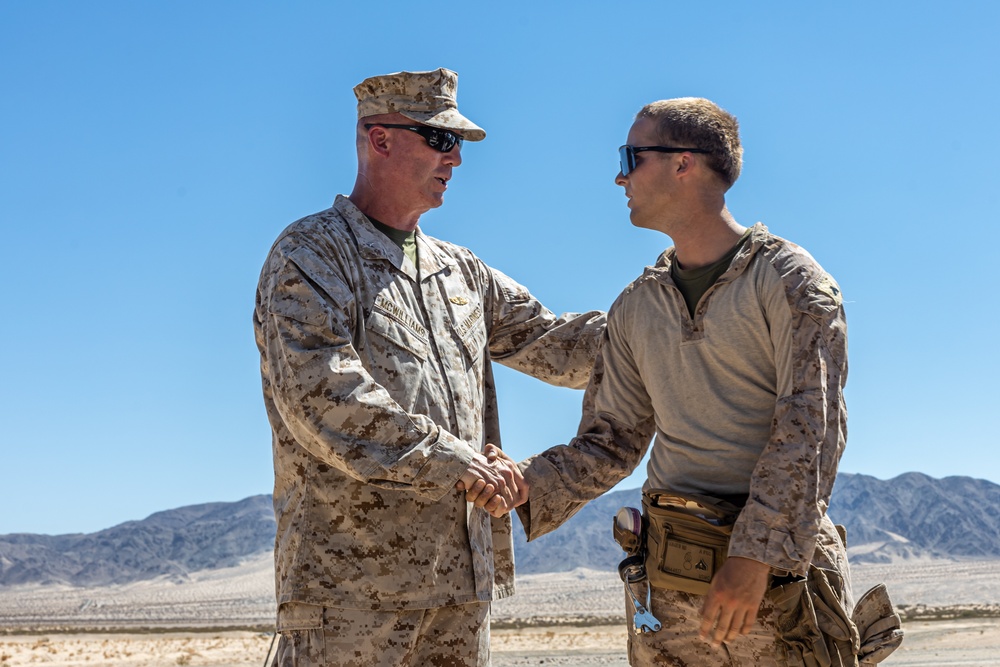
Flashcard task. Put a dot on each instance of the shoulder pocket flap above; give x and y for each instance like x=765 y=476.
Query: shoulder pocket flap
x=302 y=306
x=512 y=291
x=823 y=295
x=297 y=290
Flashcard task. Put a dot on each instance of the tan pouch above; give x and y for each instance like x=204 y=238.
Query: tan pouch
x=687 y=539
x=811 y=624
x=879 y=626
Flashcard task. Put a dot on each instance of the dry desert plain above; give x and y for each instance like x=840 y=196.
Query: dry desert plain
x=221 y=618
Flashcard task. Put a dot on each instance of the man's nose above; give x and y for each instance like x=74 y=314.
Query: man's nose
x=454 y=156
x=619 y=179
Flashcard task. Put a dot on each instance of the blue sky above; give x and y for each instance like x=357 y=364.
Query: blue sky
x=151 y=152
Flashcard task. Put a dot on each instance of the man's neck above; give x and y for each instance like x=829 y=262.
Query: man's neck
x=383 y=208
x=705 y=239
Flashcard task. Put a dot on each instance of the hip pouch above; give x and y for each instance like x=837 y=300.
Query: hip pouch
x=813 y=628
x=687 y=539
x=811 y=623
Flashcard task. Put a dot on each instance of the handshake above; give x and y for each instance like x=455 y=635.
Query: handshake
x=494 y=482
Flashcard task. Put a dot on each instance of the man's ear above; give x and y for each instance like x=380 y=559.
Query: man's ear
x=685 y=164
x=378 y=140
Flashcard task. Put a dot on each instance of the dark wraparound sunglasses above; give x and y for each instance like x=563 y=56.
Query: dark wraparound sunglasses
x=627 y=154
x=438 y=139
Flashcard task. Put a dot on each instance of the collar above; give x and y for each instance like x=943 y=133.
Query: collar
x=758 y=235
x=373 y=244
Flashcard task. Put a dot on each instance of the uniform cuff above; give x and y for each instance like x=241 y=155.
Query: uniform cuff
x=545 y=510
x=447 y=460
x=759 y=535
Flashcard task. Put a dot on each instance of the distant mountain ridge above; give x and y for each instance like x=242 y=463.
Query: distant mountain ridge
x=915 y=515
x=173 y=542
x=912 y=516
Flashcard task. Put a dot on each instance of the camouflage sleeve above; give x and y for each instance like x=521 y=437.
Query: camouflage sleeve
x=793 y=479
x=528 y=337
x=615 y=431
x=326 y=398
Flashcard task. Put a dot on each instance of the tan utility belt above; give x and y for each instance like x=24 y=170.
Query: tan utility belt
x=687 y=539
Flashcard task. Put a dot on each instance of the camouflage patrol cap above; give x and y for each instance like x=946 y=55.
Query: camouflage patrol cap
x=426 y=97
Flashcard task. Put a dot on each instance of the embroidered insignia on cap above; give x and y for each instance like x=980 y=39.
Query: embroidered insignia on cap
x=459 y=300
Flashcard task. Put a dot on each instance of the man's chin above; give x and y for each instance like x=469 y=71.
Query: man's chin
x=434 y=201
x=643 y=222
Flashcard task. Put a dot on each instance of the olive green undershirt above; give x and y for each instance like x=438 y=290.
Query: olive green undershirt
x=407 y=241
x=693 y=283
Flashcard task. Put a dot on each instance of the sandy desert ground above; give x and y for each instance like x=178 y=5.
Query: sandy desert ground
x=973 y=642
x=572 y=618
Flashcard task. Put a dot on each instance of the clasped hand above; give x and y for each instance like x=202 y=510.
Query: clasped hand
x=494 y=482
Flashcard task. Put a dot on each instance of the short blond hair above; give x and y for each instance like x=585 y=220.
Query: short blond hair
x=694 y=122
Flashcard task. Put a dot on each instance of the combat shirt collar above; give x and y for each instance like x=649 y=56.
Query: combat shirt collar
x=373 y=244
x=758 y=235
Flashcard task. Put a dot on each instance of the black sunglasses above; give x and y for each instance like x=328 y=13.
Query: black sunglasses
x=627 y=154
x=439 y=140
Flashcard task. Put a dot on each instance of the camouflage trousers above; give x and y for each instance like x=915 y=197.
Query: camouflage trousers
x=313 y=636
x=677 y=643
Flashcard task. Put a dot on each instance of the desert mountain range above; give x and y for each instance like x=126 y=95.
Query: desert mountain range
x=910 y=517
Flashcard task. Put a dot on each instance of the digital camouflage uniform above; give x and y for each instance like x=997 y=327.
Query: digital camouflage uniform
x=378 y=386
x=744 y=399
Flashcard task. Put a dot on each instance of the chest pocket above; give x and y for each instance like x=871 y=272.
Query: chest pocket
x=397 y=326
x=471 y=328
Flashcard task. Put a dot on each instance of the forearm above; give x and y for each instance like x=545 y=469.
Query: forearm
x=564 y=478
x=615 y=430
x=336 y=411
x=793 y=479
x=528 y=337
x=557 y=350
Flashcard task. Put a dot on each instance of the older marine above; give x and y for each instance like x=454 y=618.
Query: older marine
x=376 y=343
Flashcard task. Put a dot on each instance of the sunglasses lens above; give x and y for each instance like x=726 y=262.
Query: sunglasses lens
x=441 y=140
x=447 y=141
x=450 y=141
x=627 y=158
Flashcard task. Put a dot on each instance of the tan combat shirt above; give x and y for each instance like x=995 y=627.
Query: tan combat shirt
x=378 y=385
x=744 y=398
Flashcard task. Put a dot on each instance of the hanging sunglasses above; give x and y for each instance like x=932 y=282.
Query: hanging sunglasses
x=627 y=154
x=439 y=140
